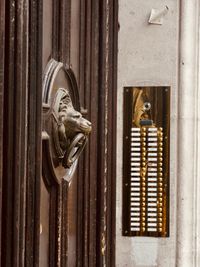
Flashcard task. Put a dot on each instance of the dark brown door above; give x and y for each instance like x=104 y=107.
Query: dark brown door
x=51 y=218
x=58 y=195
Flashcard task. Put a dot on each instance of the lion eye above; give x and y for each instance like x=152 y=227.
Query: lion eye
x=76 y=116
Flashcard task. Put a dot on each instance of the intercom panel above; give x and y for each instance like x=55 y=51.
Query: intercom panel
x=146 y=161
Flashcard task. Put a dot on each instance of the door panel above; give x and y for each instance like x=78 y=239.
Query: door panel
x=75 y=39
x=72 y=222
x=47 y=26
x=64 y=223
x=48 y=220
x=44 y=253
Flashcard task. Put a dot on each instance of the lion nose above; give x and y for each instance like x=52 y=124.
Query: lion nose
x=89 y=124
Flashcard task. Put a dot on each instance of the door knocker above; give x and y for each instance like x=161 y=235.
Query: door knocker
x=70 y=129
x=65 y=130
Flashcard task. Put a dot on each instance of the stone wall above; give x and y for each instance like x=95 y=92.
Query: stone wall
x=164 y=55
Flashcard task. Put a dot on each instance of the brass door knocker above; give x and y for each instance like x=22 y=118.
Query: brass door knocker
x=70 y=129
x=64 y=128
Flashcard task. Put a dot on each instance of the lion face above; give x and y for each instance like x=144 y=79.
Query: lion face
x=70 y=121
x=74 y=123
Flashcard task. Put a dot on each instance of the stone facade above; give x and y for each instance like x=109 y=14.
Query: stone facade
x=164 y=55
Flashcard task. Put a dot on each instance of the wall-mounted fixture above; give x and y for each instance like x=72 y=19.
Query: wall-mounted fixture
x=156 y=16
x=146 y=161
x=65 y=131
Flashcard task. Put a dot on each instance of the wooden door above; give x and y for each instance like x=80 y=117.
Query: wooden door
x=50 y=218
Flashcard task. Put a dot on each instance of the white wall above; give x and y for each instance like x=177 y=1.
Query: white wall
x=148 y=55
x=165 y=55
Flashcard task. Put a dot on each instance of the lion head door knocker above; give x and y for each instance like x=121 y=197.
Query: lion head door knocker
x=70 y=129
x=65 y=131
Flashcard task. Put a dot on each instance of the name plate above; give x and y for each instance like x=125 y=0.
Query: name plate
x=146 y=161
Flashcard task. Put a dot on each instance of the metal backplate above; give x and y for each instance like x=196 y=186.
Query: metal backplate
x=146 y=161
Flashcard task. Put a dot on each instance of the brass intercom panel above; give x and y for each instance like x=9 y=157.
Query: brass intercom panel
x=146 y=161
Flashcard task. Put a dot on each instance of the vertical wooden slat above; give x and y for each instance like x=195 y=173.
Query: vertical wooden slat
x=89 y=34
x=112 y=117
x=34 y=133
x=7 y=209
x=56 y=27
x=81 y=222
x=15 y=145
x=92 y=101
x=64 y=39
x=108 y=79
x=64 y=243
x=20 y=133
x=86 y=238
x=2 y=51
x=98 y=69
x=65 y=30
x=103 y=133
x=8 y=142
x=61 y=30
